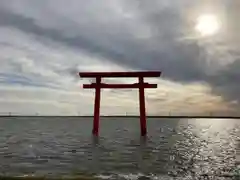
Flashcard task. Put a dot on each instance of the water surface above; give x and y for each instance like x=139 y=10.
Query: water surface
x=64 y=147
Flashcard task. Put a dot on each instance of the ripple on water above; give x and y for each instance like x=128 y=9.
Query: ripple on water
x=173 y=149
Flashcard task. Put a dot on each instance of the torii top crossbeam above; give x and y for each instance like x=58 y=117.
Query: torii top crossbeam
x=141 y=85
x=120 y=74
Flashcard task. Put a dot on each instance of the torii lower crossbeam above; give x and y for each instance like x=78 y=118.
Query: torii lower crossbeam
x=141 y=85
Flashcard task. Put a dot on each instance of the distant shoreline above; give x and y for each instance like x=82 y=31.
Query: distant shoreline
x=166 y=117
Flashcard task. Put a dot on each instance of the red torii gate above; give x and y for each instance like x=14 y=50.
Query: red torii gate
x=141 y=85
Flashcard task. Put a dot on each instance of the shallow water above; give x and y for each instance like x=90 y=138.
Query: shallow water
x=64 y=147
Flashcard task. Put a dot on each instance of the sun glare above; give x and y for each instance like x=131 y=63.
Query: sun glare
x=207 y=25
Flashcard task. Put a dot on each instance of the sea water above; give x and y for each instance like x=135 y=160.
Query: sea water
x=173 y=149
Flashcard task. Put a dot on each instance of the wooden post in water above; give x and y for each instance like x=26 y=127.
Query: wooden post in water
x=97 y=107
x=142 y=107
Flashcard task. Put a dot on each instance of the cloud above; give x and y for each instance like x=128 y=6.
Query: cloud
x=45 y=44
x=226 y=81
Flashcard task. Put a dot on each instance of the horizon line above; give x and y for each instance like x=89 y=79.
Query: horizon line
x=135 y=116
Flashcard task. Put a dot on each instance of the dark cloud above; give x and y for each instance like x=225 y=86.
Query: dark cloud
x=176 y=60
x=227 y=81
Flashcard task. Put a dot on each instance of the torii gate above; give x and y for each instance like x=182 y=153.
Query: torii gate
x=141 y=85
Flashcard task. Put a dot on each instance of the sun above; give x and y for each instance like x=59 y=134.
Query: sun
x=207 y=25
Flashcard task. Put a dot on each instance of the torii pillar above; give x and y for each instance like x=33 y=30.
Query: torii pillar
x=141 y=85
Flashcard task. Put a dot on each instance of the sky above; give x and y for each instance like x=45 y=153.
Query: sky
x=44 y=44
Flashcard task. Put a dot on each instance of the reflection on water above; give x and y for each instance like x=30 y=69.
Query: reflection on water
x=178 y=149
